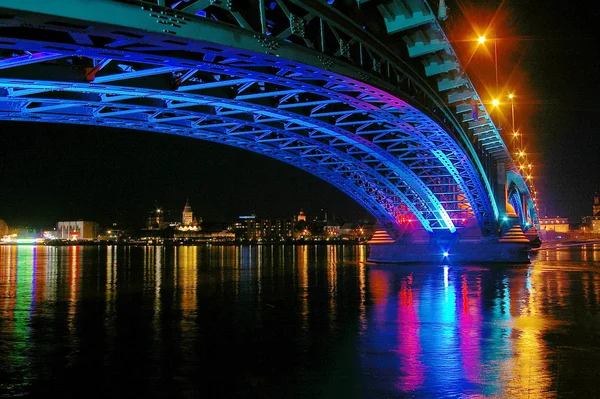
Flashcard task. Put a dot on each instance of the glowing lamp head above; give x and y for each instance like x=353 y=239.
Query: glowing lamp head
x=481 y=39
x=511 y=96
x=505 y=218
x=445 y=254
x=495 y=102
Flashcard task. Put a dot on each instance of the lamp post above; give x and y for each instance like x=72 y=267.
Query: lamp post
x=516 y=134
x=496 y=62
x=482 y=40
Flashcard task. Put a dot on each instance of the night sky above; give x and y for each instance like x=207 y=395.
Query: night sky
x=546 y=54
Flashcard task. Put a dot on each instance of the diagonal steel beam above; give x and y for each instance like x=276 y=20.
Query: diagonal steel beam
x=30 y=59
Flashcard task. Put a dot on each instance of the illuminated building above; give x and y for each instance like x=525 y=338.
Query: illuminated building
x=557 y=224
x=250 y=228
x=301 y=216
x=592 y=223
x=245 y=228
x=553 y=228
x=190 y=227
x=77 y=230
x=4 y=231
x=188 y=221
x=156 y=219
x=3 y=228
x=331 y=230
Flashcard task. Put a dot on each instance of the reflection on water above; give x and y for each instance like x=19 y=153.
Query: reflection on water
x=294 y=321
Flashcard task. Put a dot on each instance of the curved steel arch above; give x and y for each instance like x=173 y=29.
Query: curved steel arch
x=379 y=203
x=398 y=148
x=517 y=187
x=259 y=135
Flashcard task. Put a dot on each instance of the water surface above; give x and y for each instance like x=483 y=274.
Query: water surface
x=294 y=322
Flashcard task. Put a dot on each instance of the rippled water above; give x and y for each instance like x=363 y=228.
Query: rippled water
x=294 y=322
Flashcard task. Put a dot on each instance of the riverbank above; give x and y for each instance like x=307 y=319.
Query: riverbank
x=57 y=243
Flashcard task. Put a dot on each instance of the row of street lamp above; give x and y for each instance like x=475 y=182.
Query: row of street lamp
x=525 y=167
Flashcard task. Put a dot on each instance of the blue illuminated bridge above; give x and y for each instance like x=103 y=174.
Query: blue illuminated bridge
x=367 y=95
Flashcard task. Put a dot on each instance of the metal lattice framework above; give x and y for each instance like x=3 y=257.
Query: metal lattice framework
x=294 y=80
x=519 y=198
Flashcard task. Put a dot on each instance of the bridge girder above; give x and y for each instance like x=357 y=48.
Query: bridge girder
x=373 y=141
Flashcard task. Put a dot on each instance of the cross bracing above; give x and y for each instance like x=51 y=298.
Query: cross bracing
x=384 y=137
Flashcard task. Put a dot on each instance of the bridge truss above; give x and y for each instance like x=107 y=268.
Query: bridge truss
x=294 y=80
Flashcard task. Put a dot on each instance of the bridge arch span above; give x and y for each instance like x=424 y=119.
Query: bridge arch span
x=322 y=95
x=520 y=199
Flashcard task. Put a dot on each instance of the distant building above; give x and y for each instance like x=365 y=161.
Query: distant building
x=301 y=216
x=188 y=221
x=591 y=224
x=357 y=231
x=3 y=228
x=557 y=224
x=245 y=227
x=596 y=206
x=187 y=215
x=248 y=227
x=222 y=235
x=77 y=230
x=156 y=219
x=331 y=230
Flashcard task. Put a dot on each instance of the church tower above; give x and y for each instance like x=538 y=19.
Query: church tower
x=188 y=215
x=596 y=207
x=301 y=216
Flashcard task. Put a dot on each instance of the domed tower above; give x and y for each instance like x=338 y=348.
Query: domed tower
x=188 y=215
x=301 y=216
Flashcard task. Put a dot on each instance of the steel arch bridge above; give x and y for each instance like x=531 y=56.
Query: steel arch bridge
x=367 y=95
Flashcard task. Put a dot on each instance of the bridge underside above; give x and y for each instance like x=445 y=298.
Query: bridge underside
x=406 y=162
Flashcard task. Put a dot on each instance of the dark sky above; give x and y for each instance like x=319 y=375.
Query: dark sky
x=62 y=172
x=547 y=54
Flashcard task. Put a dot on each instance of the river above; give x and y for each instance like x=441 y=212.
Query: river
x=311 y=321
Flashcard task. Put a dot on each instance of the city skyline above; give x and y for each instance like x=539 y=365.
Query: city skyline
x=107 y=198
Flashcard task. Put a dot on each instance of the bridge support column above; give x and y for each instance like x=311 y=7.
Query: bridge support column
x=500 y=192
x=449 y=250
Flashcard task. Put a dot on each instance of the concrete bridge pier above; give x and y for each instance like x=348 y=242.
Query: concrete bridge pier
x=447 y=249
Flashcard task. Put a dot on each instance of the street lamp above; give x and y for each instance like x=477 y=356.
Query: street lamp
x=482 y=40
x=516 y=134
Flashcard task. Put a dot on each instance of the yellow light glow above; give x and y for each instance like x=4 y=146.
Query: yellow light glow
x=481 y=39
x=495 y=102
x=511 y=96
x=516 y=134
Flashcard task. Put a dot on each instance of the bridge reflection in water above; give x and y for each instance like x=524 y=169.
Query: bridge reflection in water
x=301 y=321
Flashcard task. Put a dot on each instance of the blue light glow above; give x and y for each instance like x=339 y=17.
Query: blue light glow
x=297 y=138
x=446 y=254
